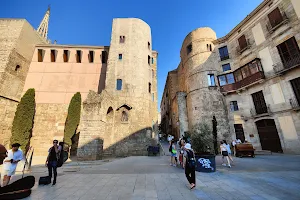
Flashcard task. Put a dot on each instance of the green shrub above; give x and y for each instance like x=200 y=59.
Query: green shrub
x=73 y=118
x=202 y=139
x=23 y=121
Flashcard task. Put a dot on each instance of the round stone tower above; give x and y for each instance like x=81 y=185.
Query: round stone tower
x=204 y=100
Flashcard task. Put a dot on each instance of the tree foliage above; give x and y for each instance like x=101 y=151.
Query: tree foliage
x=73 y=118
x=202 y=139
x=23 y=121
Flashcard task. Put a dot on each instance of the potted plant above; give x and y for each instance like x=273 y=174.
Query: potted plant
x=203 y=144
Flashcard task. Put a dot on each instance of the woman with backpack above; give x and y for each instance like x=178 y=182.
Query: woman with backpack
x=189 y=163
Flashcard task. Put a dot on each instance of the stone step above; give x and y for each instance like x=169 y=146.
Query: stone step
x=263 y=152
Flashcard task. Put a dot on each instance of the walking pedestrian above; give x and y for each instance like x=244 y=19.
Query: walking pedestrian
x=224 y=153
x=233 y=147
x=52 y=159
x=228 y=150
x=189 y=164
x=173 y=152
x=10 y=163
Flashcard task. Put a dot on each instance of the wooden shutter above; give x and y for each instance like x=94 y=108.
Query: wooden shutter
x=275 y=17
x=242 y=42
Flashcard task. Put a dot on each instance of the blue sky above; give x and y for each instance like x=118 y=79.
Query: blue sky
x=89 y=22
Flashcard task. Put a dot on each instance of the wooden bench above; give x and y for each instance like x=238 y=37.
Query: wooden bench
x=245 y=149
x=154 y=150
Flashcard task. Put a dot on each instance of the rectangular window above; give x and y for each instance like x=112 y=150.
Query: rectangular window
x=230 y=78
x=222 y=80
x=224 y=53
x=245 y=71
x=238 y=75
x=122 y=39
x=296 y=87
x=91 y=56
x=120 y=56
x=40 y=55
x=289 y=52
x=234 y=106
x=148 y=45
x=189 y=48
x=149 y=58
x=211 y=80
x=242 y=42
x=259 y=102
x=226 y=79
x=226 y=67
x=78 y=56
x=254 y=67
x=66 y=56
x=149 y=87
x=53 y=55
x=275 y=17
x=119 y=84
x=152 y=60
x=104 y=57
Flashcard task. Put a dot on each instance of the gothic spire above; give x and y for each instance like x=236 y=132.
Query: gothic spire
x=43 y=27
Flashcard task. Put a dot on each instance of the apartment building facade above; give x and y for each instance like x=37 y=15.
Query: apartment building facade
x=255 y=69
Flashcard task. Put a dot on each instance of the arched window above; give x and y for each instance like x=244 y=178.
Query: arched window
x=109 y=110
x=17 y=67
x=124 y=117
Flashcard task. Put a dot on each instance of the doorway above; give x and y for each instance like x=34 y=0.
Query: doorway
x=239 y=132
x=268 y=135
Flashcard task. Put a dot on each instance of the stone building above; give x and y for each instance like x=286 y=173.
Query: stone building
x=17 y=42
x=249 y=79
x=118 y=85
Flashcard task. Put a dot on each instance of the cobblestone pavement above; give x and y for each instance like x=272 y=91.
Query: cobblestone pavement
x=263 y=177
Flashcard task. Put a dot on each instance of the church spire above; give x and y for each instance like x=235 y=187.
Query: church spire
x=43 y=27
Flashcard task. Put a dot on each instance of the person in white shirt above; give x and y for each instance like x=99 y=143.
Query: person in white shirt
x=224 y=153
x=10 y=163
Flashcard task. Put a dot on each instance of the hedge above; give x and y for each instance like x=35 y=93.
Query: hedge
x=73 y=118
x=23 y=121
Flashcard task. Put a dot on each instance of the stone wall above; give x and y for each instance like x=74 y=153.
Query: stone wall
x=104 y=134
x=8 y=109
x=49 y=124
x=17 y=42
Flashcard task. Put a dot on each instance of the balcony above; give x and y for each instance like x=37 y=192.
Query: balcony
x=294 y=104
x=240 y=50
x=281 y=68
x=250 y=80
x=260 y=112
x=271 y=28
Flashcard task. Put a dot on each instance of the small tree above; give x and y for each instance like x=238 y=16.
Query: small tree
x=23 y=121
x=73 y=118
x=202 y=139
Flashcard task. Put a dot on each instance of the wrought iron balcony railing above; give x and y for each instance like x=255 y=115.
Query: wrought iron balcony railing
x=261 y=111
x=293 y=62
x=294 y=103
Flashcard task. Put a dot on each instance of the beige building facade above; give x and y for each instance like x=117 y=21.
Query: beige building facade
x=118 y=86
x=249 y=79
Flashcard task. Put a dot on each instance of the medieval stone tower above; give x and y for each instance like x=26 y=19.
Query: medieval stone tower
x=204 y=100
x=122 y=119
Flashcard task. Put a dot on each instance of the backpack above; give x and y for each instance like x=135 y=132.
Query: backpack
x=191 y=162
